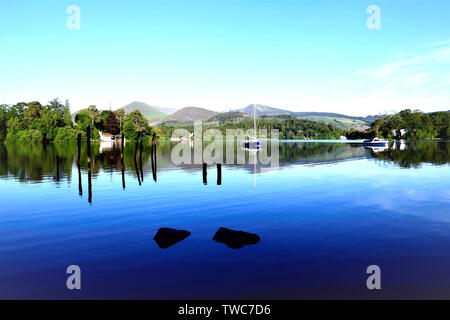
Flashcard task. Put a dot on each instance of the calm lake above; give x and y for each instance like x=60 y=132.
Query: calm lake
x=317 y=222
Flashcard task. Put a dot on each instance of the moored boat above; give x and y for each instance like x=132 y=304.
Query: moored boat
x=253 y=144
x=376 y=142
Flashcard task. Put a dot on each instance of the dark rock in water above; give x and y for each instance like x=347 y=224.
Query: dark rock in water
x=235 y=239
x=166 y=237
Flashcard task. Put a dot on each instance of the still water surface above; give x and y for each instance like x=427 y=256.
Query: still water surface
x=328 y=212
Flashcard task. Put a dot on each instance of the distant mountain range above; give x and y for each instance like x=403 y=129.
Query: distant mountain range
x=336 y=119
x=157 y=115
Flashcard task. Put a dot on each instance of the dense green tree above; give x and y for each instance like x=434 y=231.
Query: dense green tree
x=3 y=121
x=67 y=116
x=17 y=110
x=48 y=123
x=93 y=114
x=68 y=134
x=84 y=120
x=135 y=125
x=32 y=112
x=408 y=124
x=14 y=125
x=29 y=136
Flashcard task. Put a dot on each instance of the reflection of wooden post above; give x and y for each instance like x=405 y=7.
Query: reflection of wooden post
x=89 y=184
x=205 y=180
x=137 y=171
x=136 y=145
x=88 y=137
x=153 y=155
x=80 y=186
x=57 y=168
x=219 y=174
x=154 y=138
x=122 y=163
x=140 y=159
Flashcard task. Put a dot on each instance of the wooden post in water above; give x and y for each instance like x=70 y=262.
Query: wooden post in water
x=219 y=174
x=80 y=186
x=88 y=139
x=205 y=180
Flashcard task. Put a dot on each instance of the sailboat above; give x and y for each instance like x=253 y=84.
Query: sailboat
x=253 y=144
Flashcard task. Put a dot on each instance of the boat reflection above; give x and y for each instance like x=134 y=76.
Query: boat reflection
x=376 y=149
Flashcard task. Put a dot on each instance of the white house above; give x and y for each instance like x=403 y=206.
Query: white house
x=402 y=132
x=106 y=137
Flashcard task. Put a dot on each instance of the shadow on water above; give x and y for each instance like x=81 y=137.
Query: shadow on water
x=235 y=239
x=167 y=237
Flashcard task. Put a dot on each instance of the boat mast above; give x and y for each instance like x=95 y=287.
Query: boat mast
x=254 y=118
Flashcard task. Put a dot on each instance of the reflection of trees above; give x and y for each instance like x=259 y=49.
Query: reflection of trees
x=35 y=162
x=416 y=153
x=317 y=152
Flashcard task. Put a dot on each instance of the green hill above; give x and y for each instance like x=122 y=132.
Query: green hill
x=336 y=119
x=151 y=113
x=341 y=122
x=231 y=116
x=190 y=114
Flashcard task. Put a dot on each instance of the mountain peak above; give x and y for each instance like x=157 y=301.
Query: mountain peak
x=150 y=113
x=191 y=114
x=263 y=110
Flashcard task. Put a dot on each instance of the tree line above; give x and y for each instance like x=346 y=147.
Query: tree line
x=33 y=122
x=288 y=126
x=407 y=124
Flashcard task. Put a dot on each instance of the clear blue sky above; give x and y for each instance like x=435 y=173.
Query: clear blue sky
x=301 y=55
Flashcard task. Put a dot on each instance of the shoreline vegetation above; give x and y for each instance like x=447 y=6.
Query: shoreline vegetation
x=36 y=123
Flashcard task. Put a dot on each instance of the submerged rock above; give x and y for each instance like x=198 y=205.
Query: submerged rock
x=167 y=237
x=235 y=239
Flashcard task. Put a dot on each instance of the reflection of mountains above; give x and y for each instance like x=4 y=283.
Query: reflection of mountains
x=55 y=162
